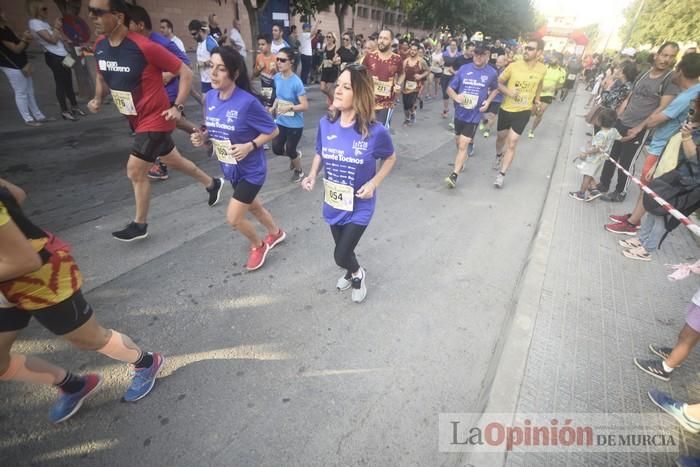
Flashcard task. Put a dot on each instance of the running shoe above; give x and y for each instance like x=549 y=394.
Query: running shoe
x=274 y=239
x=297 y=176
x=451 y=180
x=451 y=126
x=614 y=197
x=144 y=379
x=257 y=256
x=291 y=164
x=470 y=151
x=622 y=218
x=359 y=287
x=215 y=192
x=498 y=183
x=653 y=368
x=420 y=104
x=593 y=194
x=131 y=232
x=33 y=123
x=156 y=172
x=344 y=282
x=663 y=352
x=624 y=228
x=577 y=195
x=487 y=133
x=68 y=404
x=531 y=134
x=481 y=126
x=78 y=111
x=674 y=408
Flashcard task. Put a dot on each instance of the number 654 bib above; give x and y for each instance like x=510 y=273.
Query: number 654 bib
x=338 y=196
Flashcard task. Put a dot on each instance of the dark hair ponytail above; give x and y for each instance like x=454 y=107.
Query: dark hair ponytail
x=234 y=63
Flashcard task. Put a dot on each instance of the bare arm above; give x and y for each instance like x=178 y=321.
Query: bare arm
x=17 y=193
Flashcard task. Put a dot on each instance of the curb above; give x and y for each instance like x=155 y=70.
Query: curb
x=502 y=393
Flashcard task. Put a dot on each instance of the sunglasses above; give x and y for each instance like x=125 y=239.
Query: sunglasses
x=529 y=48
x=329 y=37
x=282 y=60
x=97 y=11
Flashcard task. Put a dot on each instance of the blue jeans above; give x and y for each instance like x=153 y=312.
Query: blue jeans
x=651 y=231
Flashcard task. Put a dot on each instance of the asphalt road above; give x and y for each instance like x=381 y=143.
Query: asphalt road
x=276 y=367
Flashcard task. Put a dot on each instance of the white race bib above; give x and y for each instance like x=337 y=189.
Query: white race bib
x=470 y=101
x=571 y=77
x=410 y=85
x=222 y=149
x=382 y=88
x=338 y=196
x=284 y=103
x=124 y=102
x=266 y=92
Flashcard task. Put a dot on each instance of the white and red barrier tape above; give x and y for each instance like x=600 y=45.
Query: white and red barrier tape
x=693 y=227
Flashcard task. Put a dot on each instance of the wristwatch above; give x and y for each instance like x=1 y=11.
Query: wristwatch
x=179 y=107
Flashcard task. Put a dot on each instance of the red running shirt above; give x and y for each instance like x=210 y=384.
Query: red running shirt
x=384 y=73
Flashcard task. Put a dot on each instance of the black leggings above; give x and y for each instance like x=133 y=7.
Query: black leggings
x=287 y=141
x=623 y=153
x=64 y=80
x=346 y=239
x=445 y=81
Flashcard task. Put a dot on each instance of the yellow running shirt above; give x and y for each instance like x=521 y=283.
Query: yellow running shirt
x=520 y=77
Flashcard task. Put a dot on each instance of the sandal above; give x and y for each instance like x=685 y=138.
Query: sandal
x=638 y=253
x=630 y=243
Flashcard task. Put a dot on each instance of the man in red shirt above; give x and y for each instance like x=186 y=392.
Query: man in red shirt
x=131 y=67
x=386 y=69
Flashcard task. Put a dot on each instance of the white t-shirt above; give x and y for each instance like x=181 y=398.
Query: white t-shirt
x=305 y=40
x=203 y=55
x=275 y=47
x=36 y=25
x=178 y=43
x=236 y=38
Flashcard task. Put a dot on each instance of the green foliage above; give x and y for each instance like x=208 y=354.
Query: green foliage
x=661 y=20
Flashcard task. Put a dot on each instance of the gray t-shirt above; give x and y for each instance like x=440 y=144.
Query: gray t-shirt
x=645 y=98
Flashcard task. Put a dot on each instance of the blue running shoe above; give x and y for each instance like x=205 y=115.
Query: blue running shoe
x=69 y=403
x=470 y=150
x=144 y=379
x=674 y=408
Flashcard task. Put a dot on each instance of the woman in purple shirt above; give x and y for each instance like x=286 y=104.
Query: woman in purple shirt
x=238 y=126
x=348 y=144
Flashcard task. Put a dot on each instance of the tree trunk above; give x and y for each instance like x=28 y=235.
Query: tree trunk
x=340 y=9
x=253 y=12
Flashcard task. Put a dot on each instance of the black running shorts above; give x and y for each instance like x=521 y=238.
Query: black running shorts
x=152 y=144
x=244 y=191
x=465 y=129
x=516 y=121
x=493 y=108
x=60 y=319
x=546 y=99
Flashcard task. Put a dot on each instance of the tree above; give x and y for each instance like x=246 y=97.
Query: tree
x=253 y=16
x=660 y=20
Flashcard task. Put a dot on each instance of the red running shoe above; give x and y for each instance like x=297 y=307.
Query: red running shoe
x=257 y=256
x=622 y=218
x=274 y=239
x=624 y=228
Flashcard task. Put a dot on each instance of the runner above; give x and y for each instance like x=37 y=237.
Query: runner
x=448 y=72
x=415 y=71
x=554 y=79
x=386 y=69
x=348 y=144
x=436 y=64
x=39 y=278
x=205 y=44
x=573 y=68
x=266 y=68
x=524 y=78
x=492 y=112
x=473 y=89
x=289 y=106
x=140 y=23
x=131 y=67
x=238 y=125
x=329 y=68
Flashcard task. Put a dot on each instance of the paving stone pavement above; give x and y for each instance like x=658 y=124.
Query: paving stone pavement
x=599 y=310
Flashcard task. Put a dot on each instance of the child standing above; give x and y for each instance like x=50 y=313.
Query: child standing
x=590 y=161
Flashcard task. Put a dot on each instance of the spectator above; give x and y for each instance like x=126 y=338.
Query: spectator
x=166 y=29
x=306 y=52
x=278 y=42
x=214 y=29
x=295 y=45
x=15 y=65
x=317 y=46
x=236 y=40
x=205 y=44
x=56 y=56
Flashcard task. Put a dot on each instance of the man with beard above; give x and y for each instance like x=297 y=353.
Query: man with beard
x=386 y=69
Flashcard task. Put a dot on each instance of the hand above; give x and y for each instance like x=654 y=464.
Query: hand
x=241 y=151
x=283 y=109
x=27 y=36
x=397 y=88
x=94 y=105
x=171 y=114
x=687 y=130
x=366 y=191
x=484 y=107
x=515 y=94
x=647 y=177
x=308 y=183
x=167 y=77
x=633 y=132
x=58 y=24
x=198 y=137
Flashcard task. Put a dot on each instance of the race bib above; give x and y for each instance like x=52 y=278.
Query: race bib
x=124 y=102
x=281 y=102
x=494 y=56
x=222 y=149
x=523 y=100
x=338 y=196
x=410 y=85
x=266 y=92
x=571 y=77
x=382 y=88
x=470 y=101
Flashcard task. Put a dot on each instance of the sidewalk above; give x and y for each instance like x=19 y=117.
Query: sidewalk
x=596 y=311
